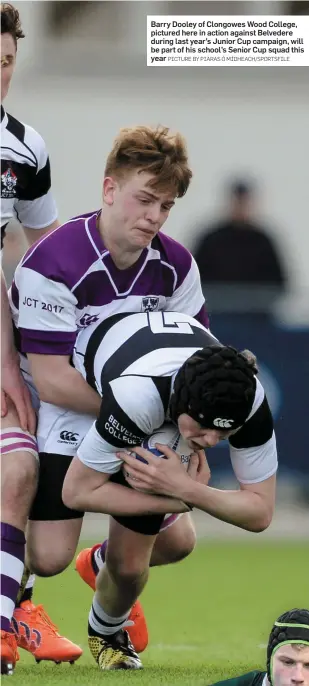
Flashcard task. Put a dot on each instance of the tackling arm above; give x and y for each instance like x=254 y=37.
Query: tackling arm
x=88 y=490
x=60 y=384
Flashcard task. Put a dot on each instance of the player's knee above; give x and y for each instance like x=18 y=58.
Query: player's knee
x=175 y=543
x=49 y=565
x=126 y=571
x=183 y=546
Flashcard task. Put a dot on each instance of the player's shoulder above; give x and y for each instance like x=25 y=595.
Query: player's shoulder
x=174 y=255
x=175 y=252
x=250 y=679
x=65 y=254
x=26 y=135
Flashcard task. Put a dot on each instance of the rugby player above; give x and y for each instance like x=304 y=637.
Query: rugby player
x=287 y=654
x=160 y=374
x=108 y=261
x=25 y=194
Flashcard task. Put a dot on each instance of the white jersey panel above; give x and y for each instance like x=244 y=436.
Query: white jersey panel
x=256 y=464
x=97 y=454
x=37 y=214
x=160 y=363
x=46 y=305
x=139 y=399
x=188 y=297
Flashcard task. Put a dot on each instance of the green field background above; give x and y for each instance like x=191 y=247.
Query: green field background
x=209 y=616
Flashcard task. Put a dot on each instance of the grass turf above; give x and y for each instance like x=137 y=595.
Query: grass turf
x=209 y=617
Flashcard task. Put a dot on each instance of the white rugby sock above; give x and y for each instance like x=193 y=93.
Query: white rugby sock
x=30 y=582
x=102 y=623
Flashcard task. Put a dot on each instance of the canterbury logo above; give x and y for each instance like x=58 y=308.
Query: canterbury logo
x=68 y=436
x=223 y=423
x=26 y=634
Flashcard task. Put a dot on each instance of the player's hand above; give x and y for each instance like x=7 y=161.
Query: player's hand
x=14 y=390
x=156 y=475
x=199 y=468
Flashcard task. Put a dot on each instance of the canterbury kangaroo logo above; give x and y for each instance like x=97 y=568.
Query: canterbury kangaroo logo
x=223 y=423
x=68 y=436
x=32 y=637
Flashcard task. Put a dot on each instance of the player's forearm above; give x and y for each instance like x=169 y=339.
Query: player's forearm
x=8 y=352
x=114 y=499
x=244 y=509
x=68 y=389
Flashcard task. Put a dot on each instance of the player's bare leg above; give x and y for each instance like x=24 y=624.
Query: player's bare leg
x=118 y=585
x=175 y=542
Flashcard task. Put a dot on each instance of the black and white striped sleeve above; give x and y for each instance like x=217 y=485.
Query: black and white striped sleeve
x=36 y=208
x=253 y=448
x=131 y=409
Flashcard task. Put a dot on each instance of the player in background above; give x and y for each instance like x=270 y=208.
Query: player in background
x=160 y=374
x=25 y=194
x=113 y=260
x=287 y=654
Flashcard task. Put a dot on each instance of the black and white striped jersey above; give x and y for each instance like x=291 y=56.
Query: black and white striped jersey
x=132 y=360
x=25 y=176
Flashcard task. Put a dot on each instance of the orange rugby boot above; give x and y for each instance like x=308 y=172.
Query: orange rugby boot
x=138 y=633
x=36 y=633
x=9 y=653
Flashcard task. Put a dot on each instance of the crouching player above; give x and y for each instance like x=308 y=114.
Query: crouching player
x=151 y=368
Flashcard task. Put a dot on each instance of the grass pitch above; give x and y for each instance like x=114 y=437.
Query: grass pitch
x=209 y=616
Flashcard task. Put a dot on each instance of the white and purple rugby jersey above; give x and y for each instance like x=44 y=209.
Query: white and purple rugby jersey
x=68 y=280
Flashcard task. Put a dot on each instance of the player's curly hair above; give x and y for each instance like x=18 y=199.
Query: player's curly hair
x=156 y=151
x=10 y=21
x=215 y=381
x=283 y=631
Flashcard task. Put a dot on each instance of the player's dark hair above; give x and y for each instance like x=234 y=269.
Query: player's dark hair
x=216 y=382
x=290 y=627
x=10 y=21
x=156 y=151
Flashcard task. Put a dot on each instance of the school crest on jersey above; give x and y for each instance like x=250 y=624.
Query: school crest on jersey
x=150 y=303
x=8 y=184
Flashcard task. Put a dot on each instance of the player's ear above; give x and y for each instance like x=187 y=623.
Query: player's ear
x=109 y=188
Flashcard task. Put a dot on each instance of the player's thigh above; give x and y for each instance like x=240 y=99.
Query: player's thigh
x=53 y=529
x=19 y=470
x=176 y=539
x=128 y=552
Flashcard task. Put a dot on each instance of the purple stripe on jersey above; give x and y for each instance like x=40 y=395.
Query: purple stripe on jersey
x=23 y=445
x=175 y=254
x=47 y=342
x=66 y=254
x=15 y=295
x=9 y=587
x=202 y=317
x=15 y=434
x=97 y=290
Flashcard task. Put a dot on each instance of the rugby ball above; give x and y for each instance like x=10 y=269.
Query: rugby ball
x=168 y=434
